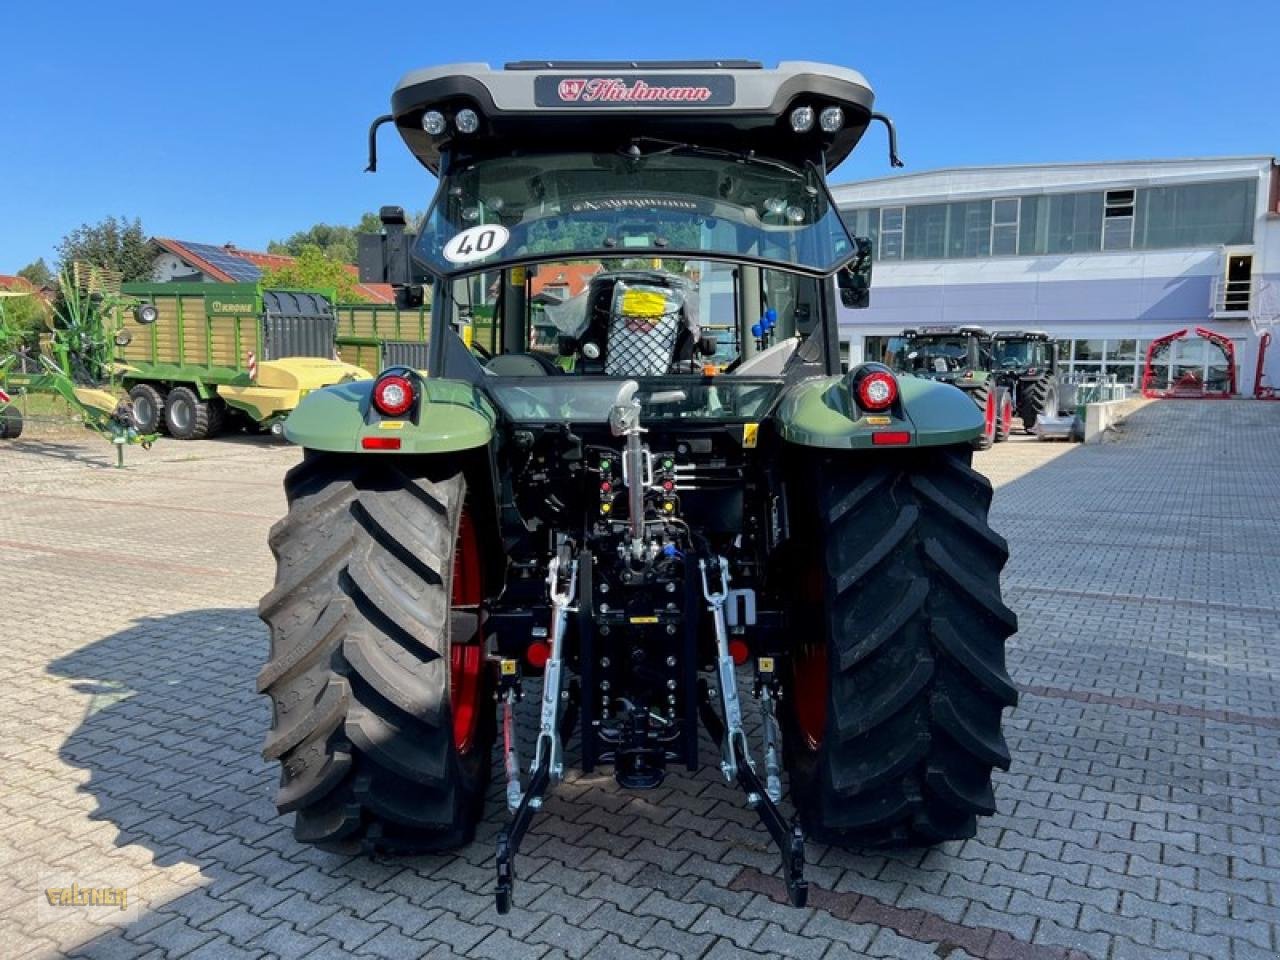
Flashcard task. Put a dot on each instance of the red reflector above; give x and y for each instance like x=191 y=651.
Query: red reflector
x=380 y=443
x=890 y=438
x=538 y=653
x=739 y=651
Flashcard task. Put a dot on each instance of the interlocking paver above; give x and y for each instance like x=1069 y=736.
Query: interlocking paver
x=1138 y=819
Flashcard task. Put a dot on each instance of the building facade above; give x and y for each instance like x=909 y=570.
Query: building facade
x=1105 y=257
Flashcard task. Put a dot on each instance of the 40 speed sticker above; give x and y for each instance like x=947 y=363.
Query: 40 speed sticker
x=476 y=243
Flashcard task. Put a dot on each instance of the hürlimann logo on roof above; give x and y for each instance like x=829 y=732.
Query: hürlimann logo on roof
x=636 y=91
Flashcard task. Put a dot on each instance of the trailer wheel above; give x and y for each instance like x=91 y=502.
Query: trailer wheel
x=10 y=423
x=186 y=415
x=1004 y=415
x=148 y=407
x=217 y=417
x=898 y=685
x=986 y=402
x=383 y=718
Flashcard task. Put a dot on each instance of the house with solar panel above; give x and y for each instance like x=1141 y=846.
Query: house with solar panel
x=182 y=261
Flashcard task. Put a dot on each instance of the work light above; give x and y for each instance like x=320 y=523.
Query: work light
x=433 y=122
x=802 y=119
x=831 y=119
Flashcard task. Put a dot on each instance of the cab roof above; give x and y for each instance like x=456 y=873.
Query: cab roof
x=600 y=105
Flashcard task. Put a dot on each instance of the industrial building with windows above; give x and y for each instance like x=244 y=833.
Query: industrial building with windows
x=1105 y=257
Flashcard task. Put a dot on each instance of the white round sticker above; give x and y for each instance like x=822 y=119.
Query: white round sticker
x=476 y=243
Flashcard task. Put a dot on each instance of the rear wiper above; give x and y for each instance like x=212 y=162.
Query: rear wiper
x=671 y=146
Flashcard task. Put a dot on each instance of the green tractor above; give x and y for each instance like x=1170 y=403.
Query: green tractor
x=1026 y=365
x=962 y=357
x=640 y=513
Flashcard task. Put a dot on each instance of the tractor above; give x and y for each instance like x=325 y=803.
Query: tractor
x=644 y=528
x=960 y=356
x=1026 y=365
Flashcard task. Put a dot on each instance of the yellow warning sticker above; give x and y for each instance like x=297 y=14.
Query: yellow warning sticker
x=507 y=668
x=766 y=664
x=750 y=434
x=879 y=421
x=644 y=619
x=391 y=425
x=517 y=276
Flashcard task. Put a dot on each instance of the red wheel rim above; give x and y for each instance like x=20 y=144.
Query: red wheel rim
x=810 y=682
x=1006 y=417
x=466 y=659
x=991 y=415
x=467 y=666
x=809 y=671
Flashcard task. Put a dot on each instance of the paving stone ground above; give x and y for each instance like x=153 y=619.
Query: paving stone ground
x=1141 y=817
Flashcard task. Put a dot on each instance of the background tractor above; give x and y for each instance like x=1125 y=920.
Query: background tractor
x=1026 y=365
x=677 y=490
x=962 y=357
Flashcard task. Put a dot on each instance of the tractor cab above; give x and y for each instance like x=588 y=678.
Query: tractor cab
x=1024 y=353
x=696 y=191
x=947 y=353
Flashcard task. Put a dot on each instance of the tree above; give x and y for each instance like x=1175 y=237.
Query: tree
x=313 y=269
x=116 y=244
x=336 y=241
x=38 y=273
x=22 y=320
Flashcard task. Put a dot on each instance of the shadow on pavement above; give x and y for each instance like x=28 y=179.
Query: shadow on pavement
x=172 y=734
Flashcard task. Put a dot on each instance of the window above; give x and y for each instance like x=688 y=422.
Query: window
x=1074 y=223
x=891 y=221
x=1117 y=230
x=1087 y=350
x=1121 y=361
x=1155 y=218
x=1005 y=214
x=969 y=229
x=1197 y=214
x=926 y=232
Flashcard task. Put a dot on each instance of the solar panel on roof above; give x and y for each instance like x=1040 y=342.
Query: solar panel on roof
x=237 y=268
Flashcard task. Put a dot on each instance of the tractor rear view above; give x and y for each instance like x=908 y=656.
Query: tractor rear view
x=1026 y=364
x=658 y=494
x=960 y=356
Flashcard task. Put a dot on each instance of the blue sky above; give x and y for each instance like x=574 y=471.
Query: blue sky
x=243 y=122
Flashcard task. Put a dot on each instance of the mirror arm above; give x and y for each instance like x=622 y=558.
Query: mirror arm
x=373 y=141
x=894 y=159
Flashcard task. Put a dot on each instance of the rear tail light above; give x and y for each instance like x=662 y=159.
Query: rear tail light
x=380 y=443
x=393 y=395
x=877 y=391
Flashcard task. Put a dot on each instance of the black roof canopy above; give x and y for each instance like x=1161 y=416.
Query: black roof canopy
x=574 y=105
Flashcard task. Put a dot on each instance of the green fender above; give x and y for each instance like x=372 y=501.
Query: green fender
x=451 y=416
x=822 y=413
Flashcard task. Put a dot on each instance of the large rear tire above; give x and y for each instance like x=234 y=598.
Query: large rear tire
x=383 y=718
x=1036 y=399
x=10 y=423
x=899 y=680
x=1004 y=415
x=985 y=400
